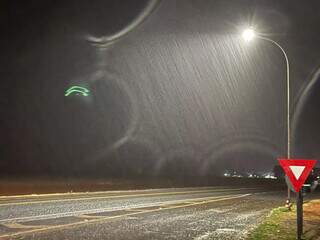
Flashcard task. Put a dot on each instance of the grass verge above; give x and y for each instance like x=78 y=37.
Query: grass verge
x=280 y=224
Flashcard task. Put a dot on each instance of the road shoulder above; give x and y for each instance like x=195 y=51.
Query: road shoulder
x=280 y=224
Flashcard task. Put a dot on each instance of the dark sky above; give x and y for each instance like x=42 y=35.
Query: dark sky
x=178 y=92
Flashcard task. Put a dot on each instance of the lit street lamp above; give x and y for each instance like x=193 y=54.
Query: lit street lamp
x=248 y=35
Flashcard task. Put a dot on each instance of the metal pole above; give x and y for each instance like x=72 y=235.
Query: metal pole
x=288 y=100
x=299 y=215
x=288 y=194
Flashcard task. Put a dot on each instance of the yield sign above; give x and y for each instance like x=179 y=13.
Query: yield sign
x=297 y=170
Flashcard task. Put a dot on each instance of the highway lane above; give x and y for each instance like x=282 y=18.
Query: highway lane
x=34 y=198
x=62 y=216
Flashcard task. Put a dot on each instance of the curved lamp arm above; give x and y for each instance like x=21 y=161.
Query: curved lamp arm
x=288 y=93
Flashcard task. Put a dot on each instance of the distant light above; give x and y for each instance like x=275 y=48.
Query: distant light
x=77 y=90
x=248 y=34
x=270 y=176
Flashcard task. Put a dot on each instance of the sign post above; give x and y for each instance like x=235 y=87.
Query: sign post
x=297 y=171
x=299 y=215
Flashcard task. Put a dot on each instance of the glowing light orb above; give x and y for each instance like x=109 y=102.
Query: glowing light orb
x=248 y=34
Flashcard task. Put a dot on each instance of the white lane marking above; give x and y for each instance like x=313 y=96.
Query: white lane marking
x=226 y=230
x=121 y=196
x=204 y=236
x=101 y=192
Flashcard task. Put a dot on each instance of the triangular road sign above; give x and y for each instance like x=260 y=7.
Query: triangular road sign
x=297 y=170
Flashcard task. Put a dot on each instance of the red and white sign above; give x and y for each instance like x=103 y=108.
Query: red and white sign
x=297 y=170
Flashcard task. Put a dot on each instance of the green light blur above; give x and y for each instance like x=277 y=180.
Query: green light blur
x=77 y=90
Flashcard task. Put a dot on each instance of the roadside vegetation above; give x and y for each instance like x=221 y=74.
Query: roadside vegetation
x=280 y=224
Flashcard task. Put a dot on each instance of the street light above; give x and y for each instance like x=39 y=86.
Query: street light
x=248 y=35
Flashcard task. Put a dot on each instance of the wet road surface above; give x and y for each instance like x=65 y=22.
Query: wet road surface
x=181 y=213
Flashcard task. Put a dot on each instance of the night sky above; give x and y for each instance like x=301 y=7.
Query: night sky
x=174 y=90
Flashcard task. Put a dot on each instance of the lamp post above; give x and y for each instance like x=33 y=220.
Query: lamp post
x=248 y=35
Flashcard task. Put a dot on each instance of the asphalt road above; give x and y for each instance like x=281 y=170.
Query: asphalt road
x=181 y=213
